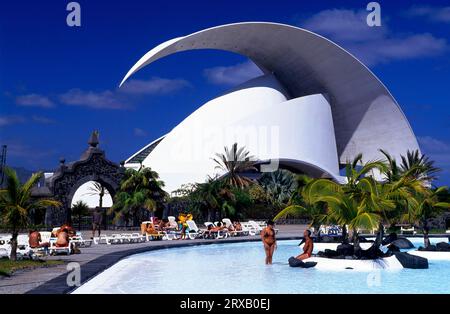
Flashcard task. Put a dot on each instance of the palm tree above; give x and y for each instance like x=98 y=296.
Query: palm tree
x=235 y=161
x=213 y=196
x=356 y=203
x=419 y=166
x=426 y=205
x=16 y=204
x=304 y=203
x=279 y=186
x=96 y=188
x=140 y=189
x=79 y=209
x=403 y=183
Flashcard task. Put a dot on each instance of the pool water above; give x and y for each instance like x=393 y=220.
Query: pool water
x=239 y=268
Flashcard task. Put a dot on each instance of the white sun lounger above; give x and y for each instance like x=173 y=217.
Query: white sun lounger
x=221 y=234
x=23 y=246
x=257 y=227
x=53 y=249
x=228 y=223
x=196 y=230
x=5 y=246
x=79 y=241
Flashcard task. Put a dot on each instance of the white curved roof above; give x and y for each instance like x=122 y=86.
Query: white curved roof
x=366 y=117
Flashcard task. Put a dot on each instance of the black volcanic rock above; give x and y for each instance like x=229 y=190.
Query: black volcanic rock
x=403 y=243
x=411 y=261
x=443 y=247
x=389 y=239
x=345 y=249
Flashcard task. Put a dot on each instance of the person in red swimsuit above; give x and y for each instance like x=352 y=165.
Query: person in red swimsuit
x=309 y=246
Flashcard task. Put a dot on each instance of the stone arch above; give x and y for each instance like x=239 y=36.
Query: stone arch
x=92 y=166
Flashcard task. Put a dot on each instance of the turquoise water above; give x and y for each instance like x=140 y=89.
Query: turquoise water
x=240 y=268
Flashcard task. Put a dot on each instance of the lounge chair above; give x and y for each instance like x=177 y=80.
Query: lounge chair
x=42 y=251
x=193 y=231
x=5 y=246
x=257 y=227
x=23 y=246
x=405 y=230
x=53 y=249
x=172 y=222
x=228 y=223
x=221 y=234
x=79 y=241
x=248 y=228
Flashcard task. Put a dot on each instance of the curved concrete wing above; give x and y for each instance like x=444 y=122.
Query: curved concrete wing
x=365 y=115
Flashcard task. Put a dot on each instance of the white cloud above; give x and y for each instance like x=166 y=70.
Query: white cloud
x=437 y=150
x=96 y=100
x=232 y=75
x=155 y=85
x=34 y=100
x=344 y=25
x=372 y=45
x=432 y=13
x=42 y=119
x=432 y=144
x=139 y=132
x=11 y=120
x=121 y=98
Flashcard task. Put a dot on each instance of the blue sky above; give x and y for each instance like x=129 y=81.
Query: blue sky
x=58 y=83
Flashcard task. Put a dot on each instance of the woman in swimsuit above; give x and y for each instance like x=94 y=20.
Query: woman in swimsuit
x=269 y=241
x=308 y=247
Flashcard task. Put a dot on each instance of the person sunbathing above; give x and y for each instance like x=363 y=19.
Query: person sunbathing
x=237 y=226
x=34 y=240
x=308 y=247
x=62 y=237
x=70 y=230
x=269 y=241
x=214 y=229
x=150 y=229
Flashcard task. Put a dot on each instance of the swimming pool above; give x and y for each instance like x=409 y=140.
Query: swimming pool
x=239 y=268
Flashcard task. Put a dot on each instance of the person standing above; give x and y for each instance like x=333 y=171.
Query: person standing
x=97 y=218
x=269 y=241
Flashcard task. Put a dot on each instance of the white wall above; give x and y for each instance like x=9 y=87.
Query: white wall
x=258 y=116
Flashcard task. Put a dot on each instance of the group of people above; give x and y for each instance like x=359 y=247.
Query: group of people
x=270 y=244
x=62 y=235
x=66 y=231
x=157 y=227
x=233 y=228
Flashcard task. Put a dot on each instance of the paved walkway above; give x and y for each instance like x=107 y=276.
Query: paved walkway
x=99 y=257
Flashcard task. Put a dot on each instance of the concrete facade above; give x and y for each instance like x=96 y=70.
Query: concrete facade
x=319 y=104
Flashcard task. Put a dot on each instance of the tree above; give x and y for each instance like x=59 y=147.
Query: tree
x=278 y=186
x=16 y=203
x=357 y=203
x=80 y=209
x=97 y=189
x=403 y=183
x=305 y=203
x=419 y=166
x=234 y=162
x=211 y=197
x=139 y=190
x=426 y=205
